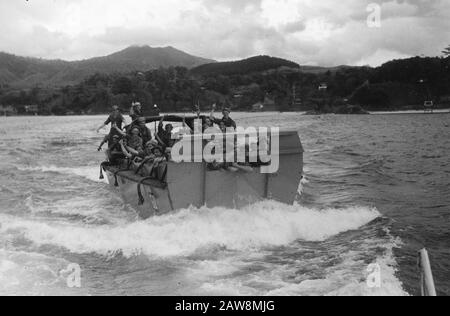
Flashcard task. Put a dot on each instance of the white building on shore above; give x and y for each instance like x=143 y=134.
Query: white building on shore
x=7 y=110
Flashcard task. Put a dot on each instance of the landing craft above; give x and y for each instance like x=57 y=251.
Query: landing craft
x=185 y=184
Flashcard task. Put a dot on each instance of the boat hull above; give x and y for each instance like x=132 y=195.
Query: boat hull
x=194 y=185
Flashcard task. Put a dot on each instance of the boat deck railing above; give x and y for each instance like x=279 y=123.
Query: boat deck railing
x=426 y=280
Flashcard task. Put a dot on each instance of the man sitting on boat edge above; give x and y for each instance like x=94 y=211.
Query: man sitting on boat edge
x=226 y=119
x=164 y=135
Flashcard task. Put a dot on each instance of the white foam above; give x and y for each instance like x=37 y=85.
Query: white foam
x=303 y=182
x=74 y=206
x=262 y=225
x=90 y=173
x=342 y=278
x=6 y=266
x=348 y=279
x=24 y=273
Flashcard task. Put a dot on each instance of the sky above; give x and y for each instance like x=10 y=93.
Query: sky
x=310 y=32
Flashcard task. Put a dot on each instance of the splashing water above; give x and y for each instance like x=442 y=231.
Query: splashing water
x=262 y=225
x=90 y=173
x=55 y=212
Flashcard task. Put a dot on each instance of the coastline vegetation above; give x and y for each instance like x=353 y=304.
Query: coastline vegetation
x=277 y=84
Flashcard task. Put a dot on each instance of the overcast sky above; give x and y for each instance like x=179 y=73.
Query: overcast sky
x=316 y=32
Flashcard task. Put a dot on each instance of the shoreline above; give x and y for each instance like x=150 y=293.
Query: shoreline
x=437 y=111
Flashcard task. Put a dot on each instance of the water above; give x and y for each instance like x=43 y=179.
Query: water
x=377 y=189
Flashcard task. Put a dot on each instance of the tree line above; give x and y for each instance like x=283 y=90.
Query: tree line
x=395 y=85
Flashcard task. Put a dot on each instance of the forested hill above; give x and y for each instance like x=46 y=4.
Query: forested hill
x=279 y=84
x=243 y=67
x=23 y=72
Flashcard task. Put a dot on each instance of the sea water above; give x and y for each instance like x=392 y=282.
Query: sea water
x=376 y=190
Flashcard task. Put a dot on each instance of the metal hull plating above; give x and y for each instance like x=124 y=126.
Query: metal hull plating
x=192 y=184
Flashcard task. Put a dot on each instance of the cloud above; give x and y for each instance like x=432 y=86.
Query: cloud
x=294 y=27
x=325 y=32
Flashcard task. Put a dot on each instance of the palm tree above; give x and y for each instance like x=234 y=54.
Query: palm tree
x=446 y=51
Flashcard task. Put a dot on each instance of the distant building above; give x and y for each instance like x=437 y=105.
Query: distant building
x=268 y=105
x=323 y=86
x=31 y=109
x=258 y=107
x=429 y=106
x=7 y=110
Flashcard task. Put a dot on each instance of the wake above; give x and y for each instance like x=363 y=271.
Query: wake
x=91 y=172
x=265 y=224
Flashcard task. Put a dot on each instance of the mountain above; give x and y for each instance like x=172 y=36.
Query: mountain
x=26 y=72
x=245 y=66
x=399 y=84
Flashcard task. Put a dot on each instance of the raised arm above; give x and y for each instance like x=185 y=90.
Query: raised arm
x=197 y=108
x=211 y=116
x=161 y=125
x=186 y=130
x=100 y=128
x=104 y=124
x=213 y=109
